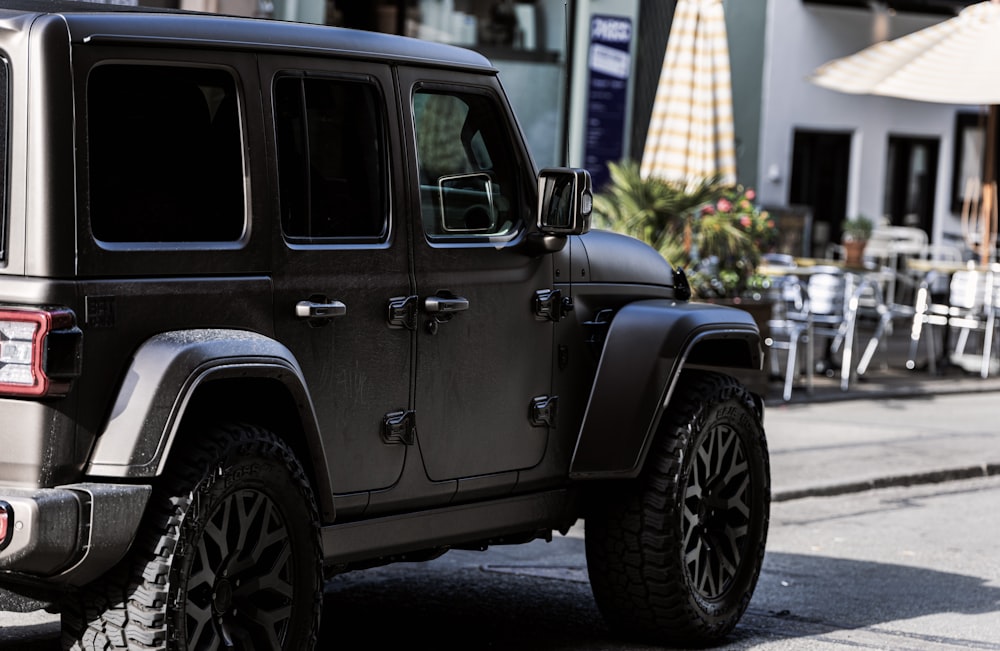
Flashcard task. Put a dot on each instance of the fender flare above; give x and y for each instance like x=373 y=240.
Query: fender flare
x=648 y=344
x=165 y=372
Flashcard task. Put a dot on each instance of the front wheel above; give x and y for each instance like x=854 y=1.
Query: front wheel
x=229 y=557
x=674 y=556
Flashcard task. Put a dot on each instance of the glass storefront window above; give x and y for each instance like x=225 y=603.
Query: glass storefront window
x=526 y=41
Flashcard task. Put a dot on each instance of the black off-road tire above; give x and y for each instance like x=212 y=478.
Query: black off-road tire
x=674 y=556
x=229 y=548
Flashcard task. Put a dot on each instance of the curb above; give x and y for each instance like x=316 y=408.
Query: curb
x=916 y=390
x=930 y=477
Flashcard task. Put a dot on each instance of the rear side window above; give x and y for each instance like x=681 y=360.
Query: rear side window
x=165 y=155
x=331 y=160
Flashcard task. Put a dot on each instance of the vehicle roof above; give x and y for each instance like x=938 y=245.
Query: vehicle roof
x=102 y=23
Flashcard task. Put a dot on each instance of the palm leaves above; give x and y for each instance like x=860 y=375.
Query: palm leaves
x=653 y=210
x=702 y=224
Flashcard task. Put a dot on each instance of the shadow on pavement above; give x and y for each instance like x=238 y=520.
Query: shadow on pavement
x=438 y=607
x=818 y=593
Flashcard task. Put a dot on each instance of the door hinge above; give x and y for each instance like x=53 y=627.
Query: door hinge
x=399 y=427
x=403 y=312
x=544 y=411
x=551 y=305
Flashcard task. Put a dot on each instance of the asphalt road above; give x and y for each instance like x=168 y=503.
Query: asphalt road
x=903 y=569
x=907 y=569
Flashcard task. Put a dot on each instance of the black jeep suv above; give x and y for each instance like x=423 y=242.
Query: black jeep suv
x=280 y=301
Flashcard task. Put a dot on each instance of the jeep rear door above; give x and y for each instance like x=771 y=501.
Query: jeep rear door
x=482 y=355
x=339 y=257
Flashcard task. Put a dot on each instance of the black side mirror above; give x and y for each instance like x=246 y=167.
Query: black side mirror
x=565 y=201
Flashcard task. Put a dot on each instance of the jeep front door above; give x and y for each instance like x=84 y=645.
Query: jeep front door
x=483 y=358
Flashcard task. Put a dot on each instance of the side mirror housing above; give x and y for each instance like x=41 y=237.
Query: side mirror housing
x=565 y=201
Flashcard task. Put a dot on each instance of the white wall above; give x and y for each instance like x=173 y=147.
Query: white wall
x=802 y=37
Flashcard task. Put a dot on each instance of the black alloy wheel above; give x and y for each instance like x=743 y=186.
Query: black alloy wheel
x=229 y=556
x=717 y=506
x=675 y=554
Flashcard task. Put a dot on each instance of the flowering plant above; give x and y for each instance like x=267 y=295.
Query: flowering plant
x=729 y=235
x=713 y=230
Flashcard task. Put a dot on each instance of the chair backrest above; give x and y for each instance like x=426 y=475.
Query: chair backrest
x=878 y=244
x=794 y=293
x=968 y=289
x=789 y=298
x=779 y=259
x=827 y=291
x=942 y=252
x=888 y=244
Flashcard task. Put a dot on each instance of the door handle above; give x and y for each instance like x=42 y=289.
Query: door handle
x=444 y=303
x=320 y=311
x=442 y=307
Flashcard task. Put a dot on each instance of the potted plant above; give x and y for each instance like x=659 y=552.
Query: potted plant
x=714 y=231
x=731 y=234
x=855 y=233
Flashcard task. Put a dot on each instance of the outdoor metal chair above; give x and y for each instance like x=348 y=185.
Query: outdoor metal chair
x=790 y=329
x=868 y=300
x=833 y=308
x=973 y=303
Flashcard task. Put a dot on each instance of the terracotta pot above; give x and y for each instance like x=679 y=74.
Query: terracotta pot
x=854 y=251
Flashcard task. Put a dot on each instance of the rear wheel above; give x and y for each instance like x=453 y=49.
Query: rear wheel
x=675 y=555
x=229 y=557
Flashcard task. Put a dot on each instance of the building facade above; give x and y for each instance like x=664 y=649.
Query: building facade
x=840 y=155
x=582 y=75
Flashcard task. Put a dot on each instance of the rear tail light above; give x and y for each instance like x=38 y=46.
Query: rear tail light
x=6 y=524
x=39 y=352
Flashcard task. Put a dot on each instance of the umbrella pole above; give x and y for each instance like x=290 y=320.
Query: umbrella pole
x=988 y=215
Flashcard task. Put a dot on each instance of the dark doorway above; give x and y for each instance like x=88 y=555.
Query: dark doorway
x=820 y=161
x=911 y=173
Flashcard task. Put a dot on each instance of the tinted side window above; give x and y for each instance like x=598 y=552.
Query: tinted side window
x=468 y=181
x=165 y=155
x=331 y=160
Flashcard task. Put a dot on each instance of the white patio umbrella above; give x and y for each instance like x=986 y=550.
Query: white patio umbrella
x=956 y=61
x=690 y=136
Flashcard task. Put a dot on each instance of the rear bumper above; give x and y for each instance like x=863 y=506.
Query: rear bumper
x=68 y=535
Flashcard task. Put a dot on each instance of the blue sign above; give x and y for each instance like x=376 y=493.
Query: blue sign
x=610 y=65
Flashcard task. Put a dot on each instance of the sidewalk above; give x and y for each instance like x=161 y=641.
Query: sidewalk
x=887 y=376
x=892 y=427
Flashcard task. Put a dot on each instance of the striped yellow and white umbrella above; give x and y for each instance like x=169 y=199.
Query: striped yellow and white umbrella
x=956 y=61
x=690 y=135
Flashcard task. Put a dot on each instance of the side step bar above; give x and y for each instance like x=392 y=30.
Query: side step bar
x=368 y=540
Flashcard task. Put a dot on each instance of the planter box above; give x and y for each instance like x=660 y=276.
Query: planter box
x=761 y=311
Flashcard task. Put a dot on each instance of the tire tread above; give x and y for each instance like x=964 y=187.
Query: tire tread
x=636 y=572
x=129 y=608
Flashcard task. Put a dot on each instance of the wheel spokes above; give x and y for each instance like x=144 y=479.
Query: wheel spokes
x=240 y=586
x=716 y=512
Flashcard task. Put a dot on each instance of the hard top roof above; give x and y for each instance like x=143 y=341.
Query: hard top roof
x=95 y=23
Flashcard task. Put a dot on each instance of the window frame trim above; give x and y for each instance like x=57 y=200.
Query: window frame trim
x=152 y=59
x=301 y=243
x=504 y=115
